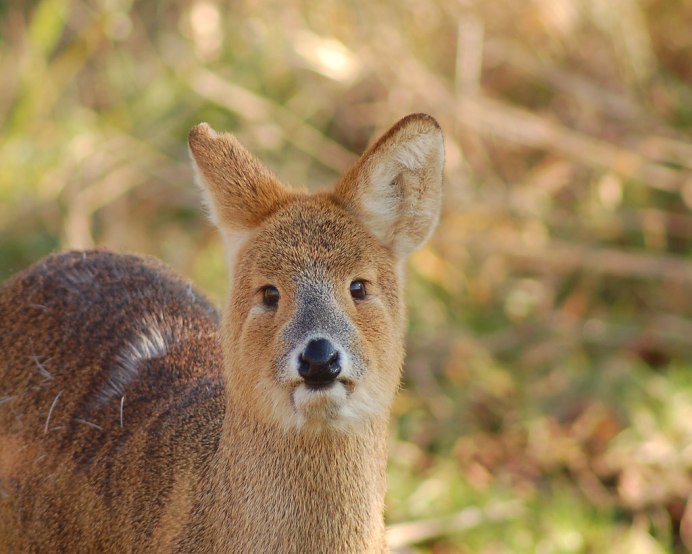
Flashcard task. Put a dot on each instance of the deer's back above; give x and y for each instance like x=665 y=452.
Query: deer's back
x=110 y=402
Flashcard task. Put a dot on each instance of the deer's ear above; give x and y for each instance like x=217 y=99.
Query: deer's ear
x=238 y=190
x=395 y=188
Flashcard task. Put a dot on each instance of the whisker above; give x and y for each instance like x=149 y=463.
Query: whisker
x=50 y=412
x=5 y=399
x=89 y=423
x=40 y=364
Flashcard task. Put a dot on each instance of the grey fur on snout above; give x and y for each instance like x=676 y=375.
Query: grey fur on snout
x=319 y=315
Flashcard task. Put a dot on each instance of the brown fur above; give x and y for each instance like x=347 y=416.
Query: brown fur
x=132 y=420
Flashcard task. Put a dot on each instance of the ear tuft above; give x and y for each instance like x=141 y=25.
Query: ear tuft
x=200 y=131
x=395 y=188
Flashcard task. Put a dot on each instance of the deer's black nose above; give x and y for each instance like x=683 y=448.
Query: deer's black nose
x=319 y=363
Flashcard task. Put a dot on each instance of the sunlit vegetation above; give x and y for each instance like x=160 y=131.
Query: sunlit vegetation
x=547 y=399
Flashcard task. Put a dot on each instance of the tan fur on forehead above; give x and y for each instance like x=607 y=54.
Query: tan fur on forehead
x=315 y=232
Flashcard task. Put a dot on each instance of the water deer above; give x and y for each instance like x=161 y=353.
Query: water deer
x=133 y=418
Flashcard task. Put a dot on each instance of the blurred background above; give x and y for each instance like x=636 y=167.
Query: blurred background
x=547 y=399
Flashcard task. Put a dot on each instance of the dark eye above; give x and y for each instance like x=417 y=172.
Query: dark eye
x=357 y=289
x=270 y=296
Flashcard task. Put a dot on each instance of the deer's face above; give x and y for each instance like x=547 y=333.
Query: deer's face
x=315 y=331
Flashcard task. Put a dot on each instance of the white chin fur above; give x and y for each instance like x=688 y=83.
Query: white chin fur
x=321 y=407
x=333 y=408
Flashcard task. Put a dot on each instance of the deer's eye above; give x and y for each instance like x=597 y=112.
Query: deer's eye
x=270 y=296
x=357 y=289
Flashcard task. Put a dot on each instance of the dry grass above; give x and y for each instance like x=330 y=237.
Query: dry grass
x=550 y=352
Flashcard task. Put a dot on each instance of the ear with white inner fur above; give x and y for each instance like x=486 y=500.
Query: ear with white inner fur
x=237 y=189
x=395 y=188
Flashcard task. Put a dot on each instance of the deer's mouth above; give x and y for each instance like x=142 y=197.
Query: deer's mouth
x=317 y=386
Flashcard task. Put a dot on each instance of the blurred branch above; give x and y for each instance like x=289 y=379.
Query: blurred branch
x=469 y=62
x=666 y=329
x=403 y=534
x=491 y=117
x=671 y=149
x=257 y=109
x=503 y=51
x=487 y=210
x=563 y=256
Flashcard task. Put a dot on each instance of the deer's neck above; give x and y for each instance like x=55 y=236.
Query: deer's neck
x=292 y=491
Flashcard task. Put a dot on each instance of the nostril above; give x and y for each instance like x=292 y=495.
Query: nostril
x=319 y=352
x=319 y=362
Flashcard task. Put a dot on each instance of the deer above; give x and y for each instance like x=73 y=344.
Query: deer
x=135 y=418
